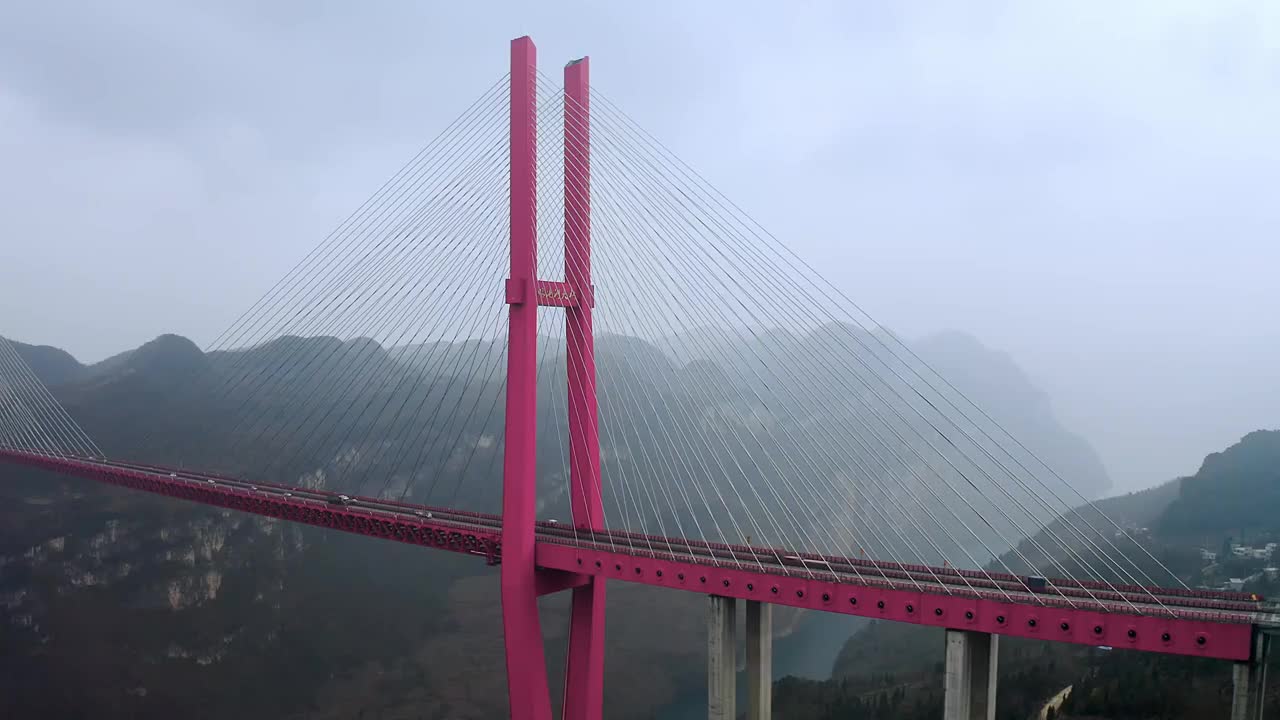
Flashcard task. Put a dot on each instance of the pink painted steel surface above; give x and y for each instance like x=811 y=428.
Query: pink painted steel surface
x=584 y=441
x=472 y=533
x=1215 y=635
x=626 y=556
x=522 y=630
x=556 y=294
x=584 y=671
x=890 y=571
x=554 y=581
x=584 y=667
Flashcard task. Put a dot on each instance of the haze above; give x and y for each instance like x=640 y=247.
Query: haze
x=1088 y=187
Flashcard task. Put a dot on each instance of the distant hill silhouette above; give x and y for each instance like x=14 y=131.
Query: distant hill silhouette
x=54 y=366
x=1236 y=489
x=1001 y=388
x=1233 y=493
x=166 y=401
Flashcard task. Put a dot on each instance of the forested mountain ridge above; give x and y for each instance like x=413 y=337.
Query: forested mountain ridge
x=1229 y=500
x=211 y=599
x=1238 y=488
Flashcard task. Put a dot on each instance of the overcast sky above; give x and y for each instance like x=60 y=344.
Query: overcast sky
x=1091 y=187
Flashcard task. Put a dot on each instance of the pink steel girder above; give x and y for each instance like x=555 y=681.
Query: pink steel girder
x=566 y=561
x=1221 y=636
x=527 y=689
x=470 y=533
x=584 y=666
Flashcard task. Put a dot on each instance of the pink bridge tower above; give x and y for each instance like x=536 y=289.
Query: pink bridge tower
x=522 y=580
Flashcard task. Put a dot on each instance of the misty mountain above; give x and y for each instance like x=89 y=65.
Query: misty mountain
x=916 y=452
x=1234 y=494
x=1237 y=489
x=54 y=366
x=1231 y=497
x=741 y=438
x=1001 y=388
x=291 y=398
x=200 y=588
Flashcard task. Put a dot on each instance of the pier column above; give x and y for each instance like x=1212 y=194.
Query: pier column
x=759 y=660
x=971 y=676
x=1251 y=682
x=722 y=651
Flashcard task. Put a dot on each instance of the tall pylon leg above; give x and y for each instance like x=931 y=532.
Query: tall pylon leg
x=526 y=663
x=584 y=671
x=759 y=660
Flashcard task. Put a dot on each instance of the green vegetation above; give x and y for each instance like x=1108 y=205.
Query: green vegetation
x=1234 y=496
x=104 y=594
x=1237 y=489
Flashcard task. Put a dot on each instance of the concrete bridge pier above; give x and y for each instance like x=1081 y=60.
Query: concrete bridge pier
x=722 y=659
x=1251 y=681
x=971 y=675
x=759 y=660
x=722 y=652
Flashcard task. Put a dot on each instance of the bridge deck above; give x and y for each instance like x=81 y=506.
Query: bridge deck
x=1165 y=620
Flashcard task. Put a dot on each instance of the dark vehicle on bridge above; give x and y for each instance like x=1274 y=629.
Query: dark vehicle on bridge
x=339 y=499
x=1036 y=583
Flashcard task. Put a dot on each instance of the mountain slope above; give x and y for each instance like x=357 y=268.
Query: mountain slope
x=54 y=366
x=1238 y=488
x=1002 y=389
x=1232 y=490
x=210 y=600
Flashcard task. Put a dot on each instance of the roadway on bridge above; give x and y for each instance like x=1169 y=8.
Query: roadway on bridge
x=1238 y=607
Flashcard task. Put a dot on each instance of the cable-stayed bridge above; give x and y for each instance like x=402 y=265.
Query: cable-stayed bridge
x=676 y=400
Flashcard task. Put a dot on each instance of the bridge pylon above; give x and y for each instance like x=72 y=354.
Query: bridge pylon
x=584 y=671
x=522 y=582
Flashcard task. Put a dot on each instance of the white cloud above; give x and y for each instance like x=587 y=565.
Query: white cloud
x=1090 y=179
